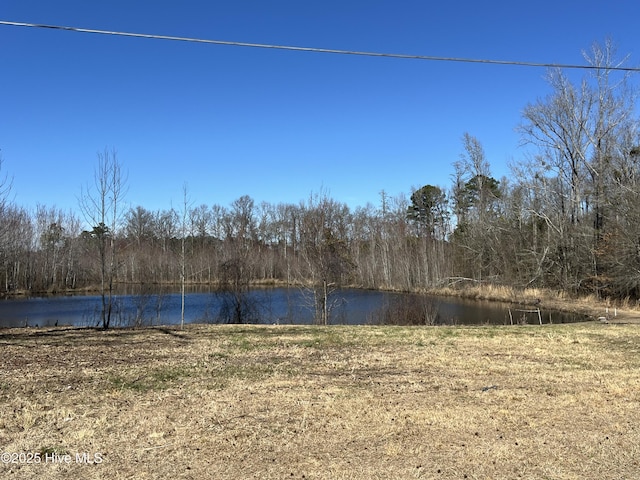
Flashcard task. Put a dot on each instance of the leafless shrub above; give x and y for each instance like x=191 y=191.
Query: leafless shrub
x=408 y=310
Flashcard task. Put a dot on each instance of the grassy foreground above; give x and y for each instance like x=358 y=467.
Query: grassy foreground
x=235 y=402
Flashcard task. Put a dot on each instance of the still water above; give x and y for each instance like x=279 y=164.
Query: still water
x=274 y=306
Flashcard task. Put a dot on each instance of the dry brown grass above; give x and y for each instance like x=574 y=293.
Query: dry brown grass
x=504 y=293
x=233 y=402
x=626 y=310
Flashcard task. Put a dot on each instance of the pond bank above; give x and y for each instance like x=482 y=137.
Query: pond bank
x=614 y=311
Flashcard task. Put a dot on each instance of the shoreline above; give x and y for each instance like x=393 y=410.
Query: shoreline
x=611 y=310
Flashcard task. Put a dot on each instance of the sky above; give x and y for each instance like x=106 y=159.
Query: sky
x=276 y=125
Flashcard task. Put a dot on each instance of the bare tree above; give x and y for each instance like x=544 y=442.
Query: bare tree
x=139 y=225
x=101 y=205
x=167 y=229
x=186 y=203
x=5 y=230
x=18 y=242
x=238 y=303
x=51 y=238
x=582 y=131
x=324 y=252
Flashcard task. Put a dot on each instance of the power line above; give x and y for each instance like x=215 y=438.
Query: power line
x=317 y=50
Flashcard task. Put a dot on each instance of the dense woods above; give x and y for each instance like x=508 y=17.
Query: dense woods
x=568 y=218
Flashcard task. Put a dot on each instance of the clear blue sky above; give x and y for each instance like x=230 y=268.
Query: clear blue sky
x=276 y=125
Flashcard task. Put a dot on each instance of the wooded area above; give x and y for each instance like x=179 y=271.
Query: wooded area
x=568 y=218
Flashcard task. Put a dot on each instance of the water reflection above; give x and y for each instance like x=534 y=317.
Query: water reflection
x=270 y=306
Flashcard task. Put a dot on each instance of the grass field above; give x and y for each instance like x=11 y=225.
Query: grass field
x=273 y=402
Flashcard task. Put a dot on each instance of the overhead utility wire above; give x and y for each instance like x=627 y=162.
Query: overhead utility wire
x=313 y=49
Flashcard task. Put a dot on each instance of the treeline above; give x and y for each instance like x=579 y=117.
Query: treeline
x=316 y=240
x=568 y=218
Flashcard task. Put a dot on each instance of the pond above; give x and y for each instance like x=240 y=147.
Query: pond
x=268 y=306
